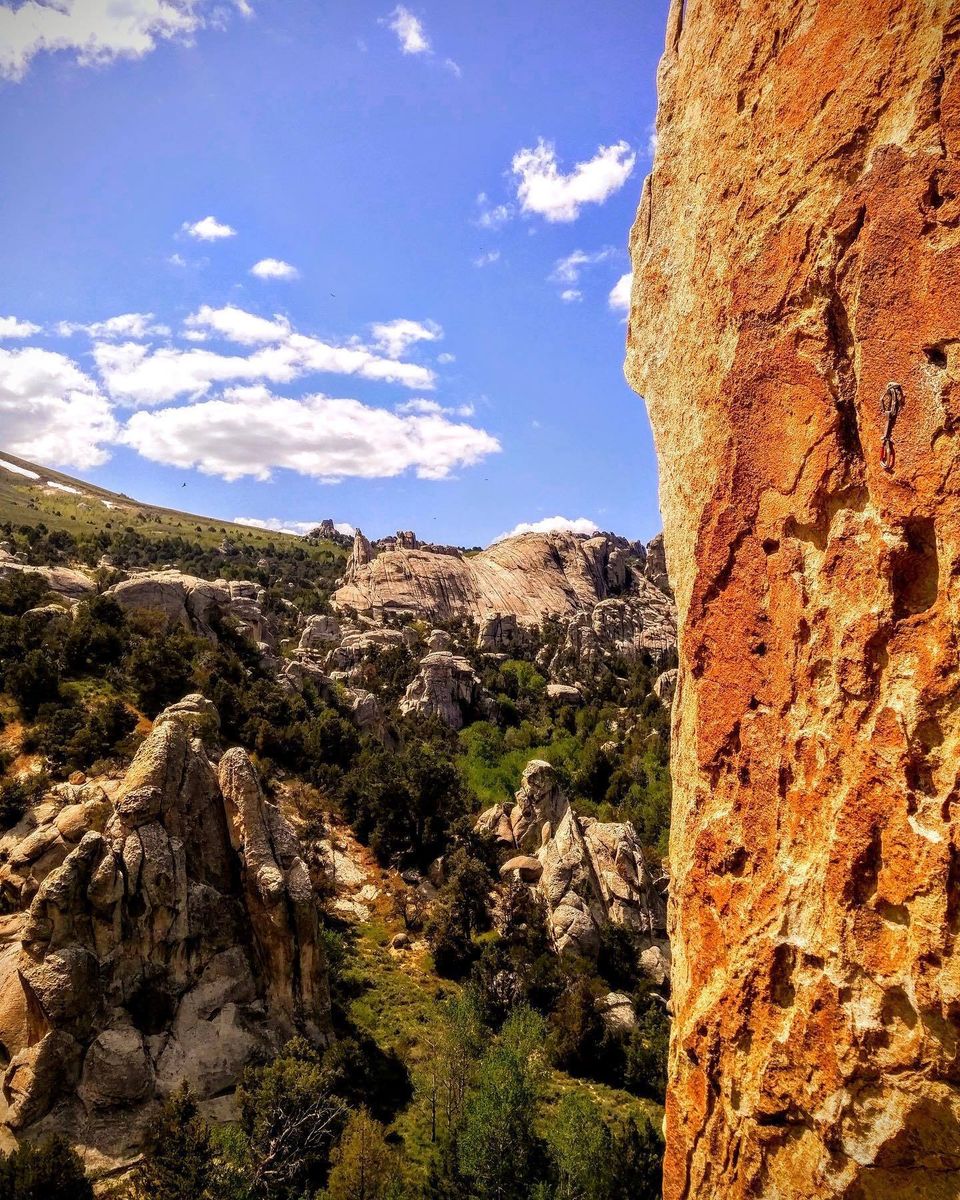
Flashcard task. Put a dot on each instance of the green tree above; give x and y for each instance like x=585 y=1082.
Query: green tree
x=579 y=1144
x=638 y=1158
x=291 y=1118
x=176 y=1163
x=364 y=1167
x=498 y=1151
x=49 y=1171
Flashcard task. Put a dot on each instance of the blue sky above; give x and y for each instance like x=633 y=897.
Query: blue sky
x=429 y=341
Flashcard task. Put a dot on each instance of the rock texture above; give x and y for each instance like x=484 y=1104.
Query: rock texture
x=446 y=687
x=524 y=578
x=588 y=873
x=797 y=248
x=168 y=933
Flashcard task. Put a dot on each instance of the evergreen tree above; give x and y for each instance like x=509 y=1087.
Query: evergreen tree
x=49 y=1171
x=364 y=1166
x=176 y=1165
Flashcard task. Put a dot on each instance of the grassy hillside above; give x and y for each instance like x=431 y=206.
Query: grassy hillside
x=62 y=502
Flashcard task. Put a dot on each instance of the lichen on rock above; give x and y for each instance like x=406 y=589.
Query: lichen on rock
x=795 y=251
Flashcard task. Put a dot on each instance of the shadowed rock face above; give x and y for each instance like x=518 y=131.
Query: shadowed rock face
x=168 y=934
x=796 y=249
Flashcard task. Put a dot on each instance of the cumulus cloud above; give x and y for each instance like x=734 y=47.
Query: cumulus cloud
x=544 y=189
x=395 y=337
x=11 y=327
x=274 y=268
x=208 y=229
x=619 y=298
x=51 y=411
x=238 y=325
x=138 y=374
x=97 y=32
x=409 y=30
x=552 y=525
x=250 y=432
x=300 y=528
x=131 y=325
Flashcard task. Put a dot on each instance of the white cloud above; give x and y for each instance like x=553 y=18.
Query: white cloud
x=453 y=67
x=570 y=295
x=409 y=30
x=274 y=268
x=51 y=411
x=446 y=357
x=250 y=432
x=238 y=325
x=484 y=260
x=11 y=327
x=492 y=216
x=652 y=141
x=432 y=408
x=208 y=229
x=395 y=337
x=300 y=528
x=544 y=189
x=133 y=325
x=140 y=375
x=98 y=31
x=619 y=298
x=552 y=525
x=569 y=269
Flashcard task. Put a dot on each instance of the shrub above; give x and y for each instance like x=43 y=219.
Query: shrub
x=48 y=1171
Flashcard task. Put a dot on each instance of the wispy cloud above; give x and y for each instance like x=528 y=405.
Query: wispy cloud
x=485 y=259
x=409 y=30
x=208 y=229
x=126 y=325
x=96 y=32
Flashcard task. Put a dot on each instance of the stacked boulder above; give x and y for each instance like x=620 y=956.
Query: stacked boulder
x=169 y=934
x=588 y=873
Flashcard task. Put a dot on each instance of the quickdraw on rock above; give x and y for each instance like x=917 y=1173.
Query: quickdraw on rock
x=890 y=405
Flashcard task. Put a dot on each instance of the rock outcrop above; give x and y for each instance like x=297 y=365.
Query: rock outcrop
x=525 y=578
x=168 y=933
x=589 y=873
x=446 y=687
x=797 y=249
x=194 y=603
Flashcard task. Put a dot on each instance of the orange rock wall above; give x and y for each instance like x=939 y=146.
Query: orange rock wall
x=797 y=247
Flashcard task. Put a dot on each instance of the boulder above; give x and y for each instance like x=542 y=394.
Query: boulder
x=525 y=865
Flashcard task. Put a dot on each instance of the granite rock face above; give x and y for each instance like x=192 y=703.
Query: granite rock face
x=588 y=873
x=796 y=250
x=168 y=932
x=521 y=579
x=446 y=687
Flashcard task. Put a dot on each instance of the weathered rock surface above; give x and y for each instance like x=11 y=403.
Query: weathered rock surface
x=589 y=873
x=167 y=934
x=446 y=687
x=525 y=578
x=64 y=581
x=192 y=602
x=797 y=248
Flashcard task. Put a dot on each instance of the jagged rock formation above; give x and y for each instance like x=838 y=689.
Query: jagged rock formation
x=797 y=248
x=192 y=602
x=168 y=932
x=588 y=873
x=446 y=687
x=64 y=581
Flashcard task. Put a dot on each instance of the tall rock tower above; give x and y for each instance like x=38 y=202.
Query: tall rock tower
x=797 y=251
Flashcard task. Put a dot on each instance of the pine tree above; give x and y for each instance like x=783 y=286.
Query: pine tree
x=50 y=1171
x=176 y=1165
x=364 y=1166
